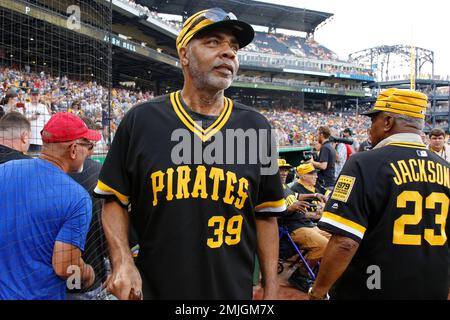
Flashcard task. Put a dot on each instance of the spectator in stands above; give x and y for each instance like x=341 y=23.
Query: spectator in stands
x=341 y=158
x=95 y=253
x=48 y=223
x=437 y=144
x=15 y=134
x=75 y=108
x=38 y=114
x=9 y=102
x=327 y=159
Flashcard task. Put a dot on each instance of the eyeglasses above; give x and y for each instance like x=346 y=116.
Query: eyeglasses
x=89 y=145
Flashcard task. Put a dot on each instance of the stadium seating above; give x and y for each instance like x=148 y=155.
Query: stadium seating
x=293 y=126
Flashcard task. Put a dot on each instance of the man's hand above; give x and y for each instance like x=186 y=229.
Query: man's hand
x=88 y=276
x=320 y=197
x=125 y=283
x=299 y=206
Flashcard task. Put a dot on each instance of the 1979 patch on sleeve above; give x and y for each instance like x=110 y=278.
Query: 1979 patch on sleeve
x=343 y=188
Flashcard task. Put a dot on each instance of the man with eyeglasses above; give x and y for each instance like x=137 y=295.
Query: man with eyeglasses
x=45 y=216
x=199 y=223
x=95 y=252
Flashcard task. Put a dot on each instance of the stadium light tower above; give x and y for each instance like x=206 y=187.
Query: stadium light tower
x=412 y=63
x=397 y=62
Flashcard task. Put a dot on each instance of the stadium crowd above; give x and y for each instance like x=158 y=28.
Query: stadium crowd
x=61 y=94
x=294 y=126
x=276 y=45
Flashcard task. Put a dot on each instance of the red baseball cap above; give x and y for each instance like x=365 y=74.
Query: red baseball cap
x=65 y=126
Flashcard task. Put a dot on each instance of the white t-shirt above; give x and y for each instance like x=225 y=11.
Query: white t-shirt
x=38 y=124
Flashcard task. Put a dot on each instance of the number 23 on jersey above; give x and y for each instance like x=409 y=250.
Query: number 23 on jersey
x=431 y=202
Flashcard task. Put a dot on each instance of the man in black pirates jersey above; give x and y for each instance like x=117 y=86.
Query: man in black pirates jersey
x=302 y=213
x=389 y=212
x=200 y=212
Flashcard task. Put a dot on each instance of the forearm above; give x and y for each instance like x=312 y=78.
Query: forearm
x=306 y=196
x=340 y=251
x=115 y=225
x=65 y=258
x=268 y=242
x=319 y=165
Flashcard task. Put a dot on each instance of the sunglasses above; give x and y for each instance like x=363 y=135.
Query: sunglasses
x=89 y=145
x=214 y=15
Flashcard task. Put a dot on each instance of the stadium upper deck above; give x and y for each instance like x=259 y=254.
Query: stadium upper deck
x=269 y=50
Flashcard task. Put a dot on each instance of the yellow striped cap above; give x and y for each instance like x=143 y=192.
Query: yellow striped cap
x=402 y=101
x=305 y=169
x=214 y=18
x=282 y=163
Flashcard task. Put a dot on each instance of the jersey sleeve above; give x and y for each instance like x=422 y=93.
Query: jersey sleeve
x=271 y=200
x=345 y=212
x=114 y=180
x=76 y=224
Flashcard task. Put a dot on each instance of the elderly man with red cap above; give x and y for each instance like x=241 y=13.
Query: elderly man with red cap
x=45 y=215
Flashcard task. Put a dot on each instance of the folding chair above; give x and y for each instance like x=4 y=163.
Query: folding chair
x=286 y=252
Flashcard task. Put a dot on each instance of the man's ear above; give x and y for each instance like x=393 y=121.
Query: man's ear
x=184 y=56
x=389 y=123
x=25 y=136
x=73 y=151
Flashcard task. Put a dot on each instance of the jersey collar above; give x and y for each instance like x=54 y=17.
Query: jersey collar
x=408 y=140
x=203 y=134
x=311 y=189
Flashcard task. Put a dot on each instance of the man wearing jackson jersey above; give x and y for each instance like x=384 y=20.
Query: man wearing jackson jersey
x=388 y=212
x=201 y=213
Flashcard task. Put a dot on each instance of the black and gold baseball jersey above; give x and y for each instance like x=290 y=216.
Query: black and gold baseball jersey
x=294 y=220
x=195 y=218
x=394 y=201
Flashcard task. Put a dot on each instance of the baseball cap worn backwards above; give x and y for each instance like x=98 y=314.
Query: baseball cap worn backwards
x=401 y=101
x=65 y=126
x=214 y=18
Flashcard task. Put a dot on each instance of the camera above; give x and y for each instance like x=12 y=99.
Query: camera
x=340 y=140
x=310 y=154
x=312 y=207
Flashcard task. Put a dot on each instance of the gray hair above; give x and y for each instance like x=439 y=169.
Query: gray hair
x=12 y=125
x=415 y=123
